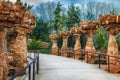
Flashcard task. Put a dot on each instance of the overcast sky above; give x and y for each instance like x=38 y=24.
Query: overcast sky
x=34 y=2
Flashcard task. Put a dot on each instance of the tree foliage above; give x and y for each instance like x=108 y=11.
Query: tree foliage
x=34 y=44
x=57 y=13
x=99 y=39
x=55 y=16
x=41 y=31
x=73 y=16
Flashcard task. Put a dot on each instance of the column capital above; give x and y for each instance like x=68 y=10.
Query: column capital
x=89 y=26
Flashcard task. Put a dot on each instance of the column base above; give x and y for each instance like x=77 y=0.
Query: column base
x=90 y=58
x=77 y=55
x=55 y=52
x=65 y=52
x=113 y=68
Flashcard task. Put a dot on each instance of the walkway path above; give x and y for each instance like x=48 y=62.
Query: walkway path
x=60 y=68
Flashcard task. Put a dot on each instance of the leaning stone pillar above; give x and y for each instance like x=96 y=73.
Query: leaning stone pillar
x=112 y=24
x=3 y=55
x=113 y=51
x=18 y=43
x=89 y=28
x=54 y=38
x=64 y=46
x=90 y=49
x=77 y=47
x=64 y=49
x=6 y=21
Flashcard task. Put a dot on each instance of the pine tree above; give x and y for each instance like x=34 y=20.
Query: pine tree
x=73 y=16
x=57 y=13
x=62 y=20
x=73 y=19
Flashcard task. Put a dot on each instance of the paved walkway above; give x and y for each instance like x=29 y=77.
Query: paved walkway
x=60 y=68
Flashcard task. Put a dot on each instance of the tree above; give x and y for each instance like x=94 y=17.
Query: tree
x=73 y=19
x=99 y=40
x=44 y=10
x=62 y=21
x=73 y=16
x=57 y=17
x=90 y=10
x=41 y=31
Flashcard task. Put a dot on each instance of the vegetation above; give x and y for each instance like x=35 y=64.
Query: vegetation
x=41 y=32
x=73 y=16
x=55 y=17
x=33 y=44
x=99 y=40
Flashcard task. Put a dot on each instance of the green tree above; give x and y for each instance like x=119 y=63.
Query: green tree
x=57 y=17
x=99 y=40
x=62 y=20
x=73 y=19
x=41 y=31
x=73 y=16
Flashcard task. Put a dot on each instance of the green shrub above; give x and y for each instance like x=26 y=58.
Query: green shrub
x=44 y=50
x=34 y=44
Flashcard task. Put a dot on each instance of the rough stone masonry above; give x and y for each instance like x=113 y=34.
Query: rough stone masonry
x=17 y=22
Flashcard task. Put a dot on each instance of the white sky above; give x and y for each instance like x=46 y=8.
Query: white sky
x=32 y=1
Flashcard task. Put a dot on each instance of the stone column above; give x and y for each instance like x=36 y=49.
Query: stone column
x=19 y=48
x=77 y=47
x=113 y=51
x=18 y=43
x=89 y=28
x=3 y=55
x=54 y=38
x=64 y=48
x=112 y=24
x=90 y=49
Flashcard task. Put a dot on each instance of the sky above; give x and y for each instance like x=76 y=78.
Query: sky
x=34 y=2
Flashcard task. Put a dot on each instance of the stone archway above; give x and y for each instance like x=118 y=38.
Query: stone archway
x=89 y=28
x=64 y=49
x=112 y=24
x=15 y=16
